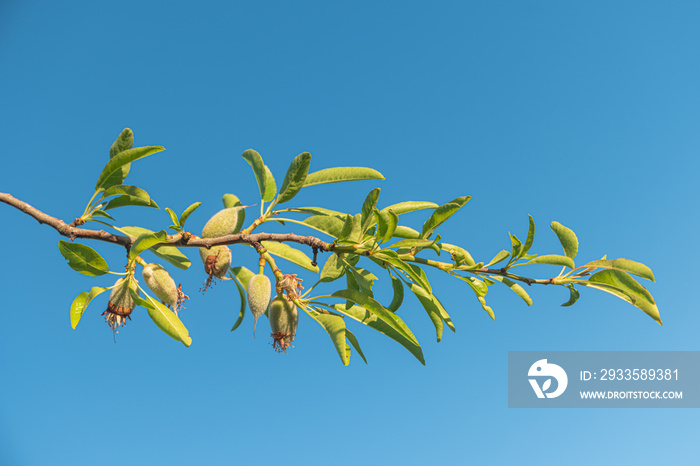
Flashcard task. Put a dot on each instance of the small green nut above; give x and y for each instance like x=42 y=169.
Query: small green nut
x=161 y=284
x=223 y=223
x=216 y=260
x=259 y=292
x=284 y=319
x=121 y=303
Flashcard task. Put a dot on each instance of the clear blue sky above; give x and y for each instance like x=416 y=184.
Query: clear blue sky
x=587 y=114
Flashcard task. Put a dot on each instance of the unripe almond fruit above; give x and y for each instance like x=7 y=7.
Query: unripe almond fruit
x=224 y=222
x=121 y=303
x=161 y=284
x=259 y=291
x=216 y=260
x=284 y=318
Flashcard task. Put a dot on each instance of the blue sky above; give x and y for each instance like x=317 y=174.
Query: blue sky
x=584 y=114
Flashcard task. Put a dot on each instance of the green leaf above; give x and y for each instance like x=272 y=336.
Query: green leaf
x=481 y=289
x=340 y=174
x=295 y=177
x=356 y=231
x=123 y=201
x=81 y=302
x=387 y=221
x=368 y=207
x=397 y=263
x=567 y=238
x=146 y=241
x=102 y=213
x=335 y=326
x=622 y=285
x=241 y=312
x=364 y=278
x=373 y=321
x=397 y=300
x=443 y=213
x=231 y=200
x=413 y=243
x=517 y=289
x=262 y=175
x=121 y=159
x=425 y=299
x=243 y=275
x=625 y=265
x=516 y=245
x=188 y=211
x=498 y=258
x=355 y=344
x=123 y=142
x=83 y=259
x=315 y=211
x=573 y=295
x=530 y=237
x=409 y=206
x=459 y=255
x=405 y=232
x=552 y=259
x=369 y=303
x=165 y=319
x=289 y=253
x=347 y=228
x=168 y=253
x=332 y=226
x=333 y=269
x=125 y=189
x=173 y=216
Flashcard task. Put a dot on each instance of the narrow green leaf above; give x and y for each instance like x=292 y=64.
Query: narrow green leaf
x=516 y=245
x=188 y=211
x=103 y=214
x=373 y=321
x=243 y=275
x=415 y=276
x=622 y=285
x=168 y=253
x=173 y=216
x=429 y=307
x=295 y=177
x=567 y=238
x=356 y=231
x=625 y=265
x=410 y=206
x=125 y=189
x=355 y=344
x=83 y=259
x=123 y=201
x=121 y=159
x=369 y=303
x=405 y=232
x=333 y=269
x=231 y=200
x=364 y=278
x=413 y=243
x=165 y=319
x=347 y=228
x=368 y=207
x=241 y=312
x=573 y=295
x=530 y=237
x=340 y=174
x=387 y=221
x=486 y=308
x=460 y=255
x=498 y=258
x=124 y=141
x=289 y=253
x=256 y=163
x=146 y=241
x=397 y=300
x=332 y=226
x=270 y=186
x=552 y=259
x=81 y=302
x=316 y=211
x=335 y=326
x=443 y=213
x=517 y=289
